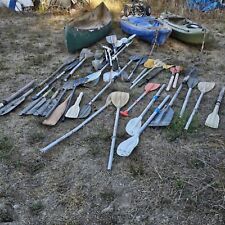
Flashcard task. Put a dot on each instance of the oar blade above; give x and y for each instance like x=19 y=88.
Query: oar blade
x=212 y=120
x=93 y=76
x=192 y=82
x=205 y=86
x=86 y=53
x=85 y=111
x=133 y=126
x=126 y=148
x=151 y=87
x=119 y=99
x=163 y=119
x=108 y=76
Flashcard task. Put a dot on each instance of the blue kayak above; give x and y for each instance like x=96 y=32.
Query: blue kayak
x=146 y=28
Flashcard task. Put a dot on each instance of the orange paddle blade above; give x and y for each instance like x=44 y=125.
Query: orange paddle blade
x=151 y=87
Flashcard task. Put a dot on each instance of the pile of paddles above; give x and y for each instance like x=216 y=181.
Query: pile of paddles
x=54 y=104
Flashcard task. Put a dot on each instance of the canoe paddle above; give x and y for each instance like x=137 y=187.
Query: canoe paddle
x=68 y=134
x=141 y=61
x=148 y=88
x=213 y=118
x=165 y=116
x=56 y=114
x=119 y=99
x=203 y=87
x=157 y=63
x=134 y=125
x=126 y=147
x=14 y=103
x=74 y=110
x=192 y=82
x=84 y=54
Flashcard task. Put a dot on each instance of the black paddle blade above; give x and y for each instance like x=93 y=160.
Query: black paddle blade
x=85 y=111
x=164 y=118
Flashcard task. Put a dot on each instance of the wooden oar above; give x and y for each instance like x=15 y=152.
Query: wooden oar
x=68 y=134
x=74 y=110
x=148 y=88
x=192 y=82
x=213 y=118
x=56 y=114
x=119 y=99
x=203 y=87
x=134 y=125
x=126 y=147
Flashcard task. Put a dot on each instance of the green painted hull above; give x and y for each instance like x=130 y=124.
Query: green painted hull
x=77 y=39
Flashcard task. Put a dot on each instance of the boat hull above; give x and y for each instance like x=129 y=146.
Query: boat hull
x=147 y=33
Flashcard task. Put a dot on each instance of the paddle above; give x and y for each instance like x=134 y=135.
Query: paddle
x=74 y=110
x=192 y=82
x=148 y=88
x=119 y=99
x=126 y=147
x=165 y=116
x=134 y=124
x=84 y=54
x=141 y=61
x=86 y=109
x=203 y=87
x=178 y=70
x=173 y=71
x=213 y=118
x=157 y=63
x=68 y=134
x=14 y=103
x=56 y=114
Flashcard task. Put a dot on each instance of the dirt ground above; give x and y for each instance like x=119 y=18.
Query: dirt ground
x=172 y=178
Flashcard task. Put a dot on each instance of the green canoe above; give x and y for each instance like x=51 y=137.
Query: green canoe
x=186 y=30
x=88 y=29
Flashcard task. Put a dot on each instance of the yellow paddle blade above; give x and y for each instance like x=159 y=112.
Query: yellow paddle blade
x=166 y=67
x=149 y=63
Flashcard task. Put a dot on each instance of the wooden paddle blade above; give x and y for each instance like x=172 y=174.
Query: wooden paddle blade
x=151 y=87
x=119 y=99
x=56 y=114
x=126 y=148
x=212 y=120
x=206 y=86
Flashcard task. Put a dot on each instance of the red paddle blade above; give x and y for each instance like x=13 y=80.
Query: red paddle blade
x=151 y=87
x=178 y=69
x=124 y=113
x=173 y=70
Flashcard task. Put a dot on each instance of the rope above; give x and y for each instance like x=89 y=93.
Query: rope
x=203 y=41
x=154 y=43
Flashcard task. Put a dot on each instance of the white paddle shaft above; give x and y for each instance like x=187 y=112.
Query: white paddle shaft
x=176 y=80
x=57 y=141
x=136 y=101
x=135 y=68
x=170 y=83
x=141 y=73
x=194 y=111
x=185 y=102
x=109 y=167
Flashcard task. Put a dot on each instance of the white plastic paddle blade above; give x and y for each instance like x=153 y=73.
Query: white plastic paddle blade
x=107 y=77
x=212 y=120
x=119 y=99
x=133 y=126
x=205 y=86
x=93 y=76
x=126 y=148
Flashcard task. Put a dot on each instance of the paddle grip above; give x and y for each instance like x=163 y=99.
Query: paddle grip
x=175 y=80
x=112 y=149
x=185 y=102
x=59 y=140
x=18 y=93
x=170 y=83
x=194 y=112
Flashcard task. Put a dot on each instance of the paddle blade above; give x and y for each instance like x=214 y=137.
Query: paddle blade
x=85 y=111
x=119 y=99
x=151 y=87
x=149 y=63
x=86 y=53
x=112 y=39
x=97 y=64
x=163 y=119
x=212 y=120
x=93 y=76
x=192 y=82
x=126 y=148
x=205 y=86
x=108 y=76
x=133 y=126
